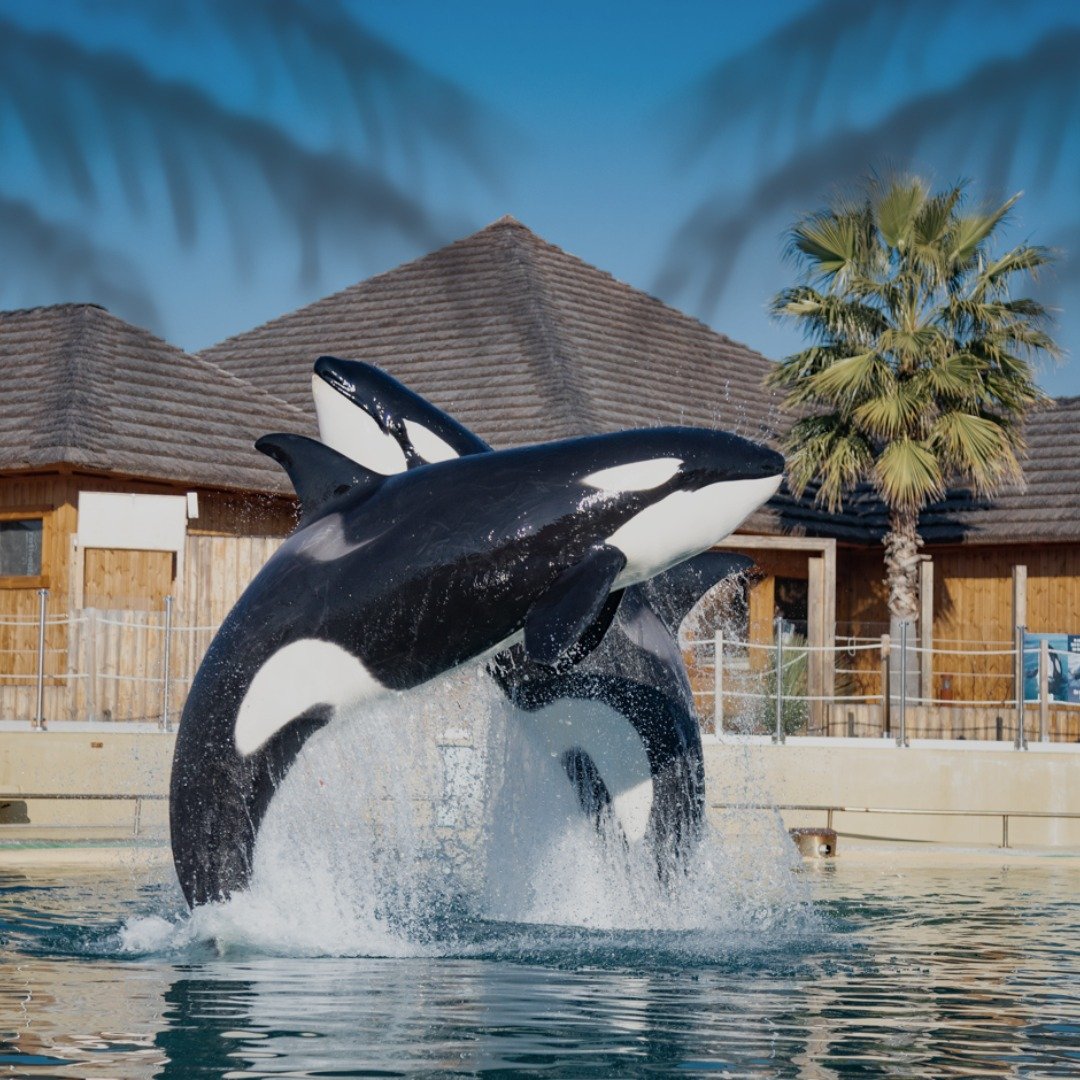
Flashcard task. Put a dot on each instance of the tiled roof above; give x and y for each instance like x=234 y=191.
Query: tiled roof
x=519 y=341
x=523 y=343
x=83 y=388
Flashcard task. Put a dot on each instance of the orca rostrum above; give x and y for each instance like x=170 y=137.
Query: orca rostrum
x=410 y=562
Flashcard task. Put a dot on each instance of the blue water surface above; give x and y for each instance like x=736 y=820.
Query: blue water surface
x=911 y=966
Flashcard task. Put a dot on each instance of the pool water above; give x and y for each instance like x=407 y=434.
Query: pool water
x=889 y=964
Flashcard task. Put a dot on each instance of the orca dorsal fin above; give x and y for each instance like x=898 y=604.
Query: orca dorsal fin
x=318 y=472
x=572 y=605
x=374 y=419
x=673 y=593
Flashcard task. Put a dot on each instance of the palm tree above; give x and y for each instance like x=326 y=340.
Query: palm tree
x=920 y=372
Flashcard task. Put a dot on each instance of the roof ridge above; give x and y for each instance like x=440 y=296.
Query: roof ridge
x=560 y=374
x=65 y=305
x=78 y=403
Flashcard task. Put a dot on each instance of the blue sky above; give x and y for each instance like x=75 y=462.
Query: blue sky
x=594 y=124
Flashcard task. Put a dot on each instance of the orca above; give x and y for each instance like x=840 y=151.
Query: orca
x=651 y=786
x=390 y=580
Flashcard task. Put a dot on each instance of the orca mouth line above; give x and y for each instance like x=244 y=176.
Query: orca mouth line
x=336 y=381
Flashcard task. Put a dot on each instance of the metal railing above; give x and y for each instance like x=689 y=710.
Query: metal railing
x=109 y=665
x=829 y=811
x=98 y=664
x=67 y=796
x=892 y=684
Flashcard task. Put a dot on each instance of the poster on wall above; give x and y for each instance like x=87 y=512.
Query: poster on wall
x=1063 y=682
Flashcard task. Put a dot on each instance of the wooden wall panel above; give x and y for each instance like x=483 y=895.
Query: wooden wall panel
x=127 y=580
x=972 y=608
x=107 y=659
x=217 y=569
x=861 y=596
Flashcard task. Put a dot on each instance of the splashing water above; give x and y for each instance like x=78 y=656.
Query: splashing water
x=439 y=823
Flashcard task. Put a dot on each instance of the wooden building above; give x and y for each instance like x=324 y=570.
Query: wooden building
x=521 y=342
x=127 y=474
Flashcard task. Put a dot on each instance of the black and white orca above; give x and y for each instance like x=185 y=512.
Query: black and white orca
x=391 y=580
x=627 y=704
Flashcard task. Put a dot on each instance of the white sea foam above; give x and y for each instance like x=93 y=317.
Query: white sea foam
x=432 y=824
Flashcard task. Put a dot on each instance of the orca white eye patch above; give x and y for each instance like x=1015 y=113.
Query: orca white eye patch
x=634 y=475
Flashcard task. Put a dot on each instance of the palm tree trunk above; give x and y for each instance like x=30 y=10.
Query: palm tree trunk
x=902 y=574
x=902 y=564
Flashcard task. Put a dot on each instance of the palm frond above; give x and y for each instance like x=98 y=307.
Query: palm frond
x=829 y=315
x=898 y=208
x=828 y=243
x=847 y=382
x=976 y=447
x=1020 y=260
x=952 y=377
x=908 y=474
x=912 y=347
x=825 y=450
x=894 y=414
x=970 y=230
x=935 y=217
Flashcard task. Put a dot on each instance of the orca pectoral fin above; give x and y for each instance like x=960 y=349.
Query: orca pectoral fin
x=672 y=594
x=572 y=605
x=317 y=472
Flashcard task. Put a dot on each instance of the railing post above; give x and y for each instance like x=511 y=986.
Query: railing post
x=165 y=665
x=778 y=624
x=901 y=735
x=1044 y=690
x=718 y=682
x=39 y=715
x=886 y=687
x=1020 y=743
x=91 y=652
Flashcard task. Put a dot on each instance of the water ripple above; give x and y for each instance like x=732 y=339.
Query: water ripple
x=970 y=970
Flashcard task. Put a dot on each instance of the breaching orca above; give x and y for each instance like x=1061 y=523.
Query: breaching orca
x=626 y=705
x=391 y=580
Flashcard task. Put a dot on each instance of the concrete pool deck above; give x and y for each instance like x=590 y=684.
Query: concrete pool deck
x=108 y=786
x=83 y=854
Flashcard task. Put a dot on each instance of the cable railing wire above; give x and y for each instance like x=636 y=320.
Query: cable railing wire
x=119 y=664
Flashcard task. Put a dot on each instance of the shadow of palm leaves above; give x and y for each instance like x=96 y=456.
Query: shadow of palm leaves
x=72 y=102
x=814 y=63
x=978 y=125
x=334 y=62
x=60 y=254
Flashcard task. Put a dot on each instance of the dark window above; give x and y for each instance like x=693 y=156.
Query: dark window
x=792 y=596
x=20 y=548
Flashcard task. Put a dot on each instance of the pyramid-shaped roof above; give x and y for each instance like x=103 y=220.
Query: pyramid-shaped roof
x=83 y=388
x=518 y=340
